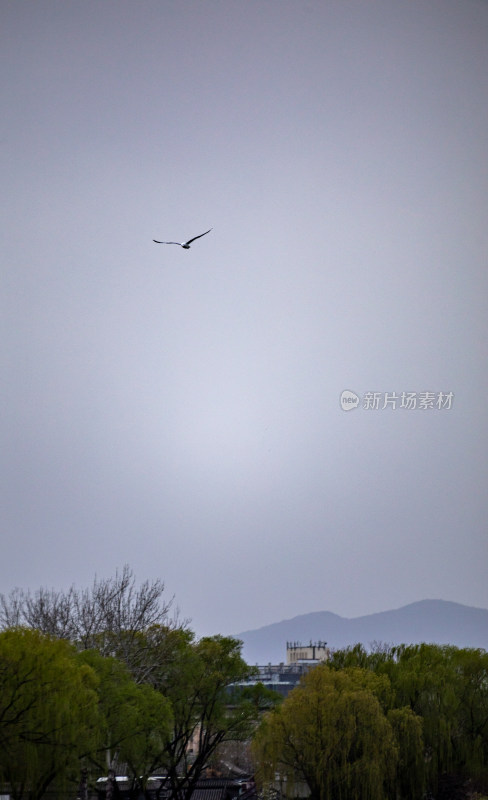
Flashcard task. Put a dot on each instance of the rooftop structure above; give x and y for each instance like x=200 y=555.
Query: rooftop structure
x=313 y=653
x=282 y=678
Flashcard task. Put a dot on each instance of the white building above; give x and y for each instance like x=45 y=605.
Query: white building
x=313 y=653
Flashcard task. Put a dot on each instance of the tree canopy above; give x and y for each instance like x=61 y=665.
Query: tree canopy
x=49 y=716
x=158 y=698
x=330 y=735
x=447 y=689
x=114 y=616
x=105 y=676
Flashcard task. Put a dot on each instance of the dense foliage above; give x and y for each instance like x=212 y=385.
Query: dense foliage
x=397 y=722
x=49 y=715
x=331 y=736
x=101 y=678
x=104 y=678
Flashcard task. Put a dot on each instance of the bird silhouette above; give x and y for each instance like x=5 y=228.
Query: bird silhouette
x=185 y=245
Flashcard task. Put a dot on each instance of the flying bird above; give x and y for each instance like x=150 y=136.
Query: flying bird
x=185 y=245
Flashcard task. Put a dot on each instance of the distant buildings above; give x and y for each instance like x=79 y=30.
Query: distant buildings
x=282 y=678
x=206 y=788
x=310 y=654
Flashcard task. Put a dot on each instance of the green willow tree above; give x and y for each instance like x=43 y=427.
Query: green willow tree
x=134 y=720
x=470 y=669
x=409 y=778
x=206 y=711
x=332 y=736
x=174 y=723
x=422 y=679
x=446 y=688
x=49 y=715
x=62 y=711
x=164 y=701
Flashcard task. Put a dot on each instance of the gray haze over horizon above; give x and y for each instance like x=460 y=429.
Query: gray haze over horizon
x=179 y=411
x=433 y=621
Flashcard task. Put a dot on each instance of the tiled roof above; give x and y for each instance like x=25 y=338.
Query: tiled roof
x=209 y=793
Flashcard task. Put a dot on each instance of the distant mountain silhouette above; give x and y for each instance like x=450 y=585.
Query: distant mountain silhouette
x=435 y=621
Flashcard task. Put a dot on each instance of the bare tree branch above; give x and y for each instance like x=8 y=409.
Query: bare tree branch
x=111 y=616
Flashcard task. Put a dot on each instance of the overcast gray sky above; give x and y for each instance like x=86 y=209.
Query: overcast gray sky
x=179 y=410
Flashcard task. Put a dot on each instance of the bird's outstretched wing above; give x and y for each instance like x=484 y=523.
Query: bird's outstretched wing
x=198 y=237
x=157 y=242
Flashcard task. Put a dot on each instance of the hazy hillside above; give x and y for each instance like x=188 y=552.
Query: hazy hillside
x=426 y=621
